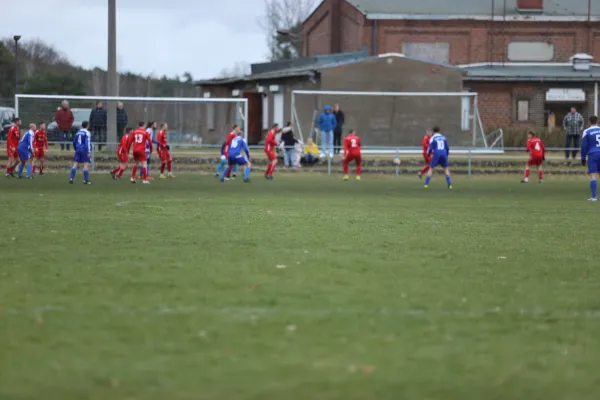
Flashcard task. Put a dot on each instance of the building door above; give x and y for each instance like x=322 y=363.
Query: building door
x=254 y=117
x=465 y=120
x=278 y=109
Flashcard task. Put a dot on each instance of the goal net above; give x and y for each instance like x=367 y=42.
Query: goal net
x=384 y=119
x=191 y=121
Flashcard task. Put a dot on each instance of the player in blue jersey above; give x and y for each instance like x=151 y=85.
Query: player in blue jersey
x=439 y=150
x=590 y=148
x=236 y=157
x=223 y=162
x=82 y=143
x=25 y=149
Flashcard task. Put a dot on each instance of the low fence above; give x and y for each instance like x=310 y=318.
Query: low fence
x=378 y=159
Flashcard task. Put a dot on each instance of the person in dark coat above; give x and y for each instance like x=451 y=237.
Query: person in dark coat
x=288 y=140
x=122 y=120
x=337 y=132
x=98 y=124
x=64 y=119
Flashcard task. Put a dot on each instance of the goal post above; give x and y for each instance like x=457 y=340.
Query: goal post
x=393 y=118
x=191 y=120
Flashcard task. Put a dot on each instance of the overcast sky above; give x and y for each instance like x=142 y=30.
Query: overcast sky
x=153 y=36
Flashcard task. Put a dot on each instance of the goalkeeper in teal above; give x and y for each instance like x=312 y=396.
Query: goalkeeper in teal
x=236 y=157
x=439 y=150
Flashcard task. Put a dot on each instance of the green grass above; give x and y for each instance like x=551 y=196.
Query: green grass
x=389 y=291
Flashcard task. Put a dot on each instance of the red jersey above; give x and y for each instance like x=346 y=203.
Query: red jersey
x=125 y=145
x=425 y=144
x=161 y=138
x=140 y=138
x=14 y=135
x=352 y=144
x=535 y=148
x=40 y=139
x=232 y=135
x=270 y=142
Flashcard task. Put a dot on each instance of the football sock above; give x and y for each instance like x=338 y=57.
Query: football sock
x=527 y=173
x=73 y=171
x=594 y=187
x=33 y=170
x=169 y=165
x=345 y=168
x=358 y=168
x=42 y=166
x=86 y=175
x=20 y=170
x=162 y=168
x=448 y=180
x=145 y=173
x=235 y=169
x=29 y=170
x=427 y=180
x=134 y=171
x=226 y=172
x=273 y=166
x=247 y=173
x=425 y=169
x=541 y=174
x=220 y=167
x=120 y=172
x=115 y=170
x=269 y=170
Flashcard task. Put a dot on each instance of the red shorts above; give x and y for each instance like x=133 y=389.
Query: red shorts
x=139 y=156
x=271 y=155
x=39 y=153
x=123 y=157
x=537 y=161
x=12 y=152
x=165 y=155
x=353 y=157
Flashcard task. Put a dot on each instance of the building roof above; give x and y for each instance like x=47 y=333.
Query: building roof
x=555 y=72
x=472 y=8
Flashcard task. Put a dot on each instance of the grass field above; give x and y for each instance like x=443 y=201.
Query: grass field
x=302 y=288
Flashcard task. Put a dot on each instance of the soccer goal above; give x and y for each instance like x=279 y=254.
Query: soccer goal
x=398 y=119
x=192 y=121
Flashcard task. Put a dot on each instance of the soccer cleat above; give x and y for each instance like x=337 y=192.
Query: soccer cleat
x=426 y=186
x=593 y=199
x=71 y=181
x=246 y=180
x=222 y=180
x=226 y=179
x=358 y=178
x=420 y=176
x=216 y=174
x=146 y=182
x=170 y=176
x=162 y=177
x=132 y=180
x=540 y=181
x=87 y=182
x=346 y=177
x=450 y=187
x=114 y=176
x=270 y=178
x=41 y=173
x=266 y=176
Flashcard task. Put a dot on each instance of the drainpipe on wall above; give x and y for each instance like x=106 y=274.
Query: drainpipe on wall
x=596 y=99
x=374 y=34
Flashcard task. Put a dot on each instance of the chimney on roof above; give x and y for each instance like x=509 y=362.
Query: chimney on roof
x=530 y=5
x=581 y=61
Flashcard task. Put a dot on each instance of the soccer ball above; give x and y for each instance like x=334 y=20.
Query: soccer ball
x=397 y=161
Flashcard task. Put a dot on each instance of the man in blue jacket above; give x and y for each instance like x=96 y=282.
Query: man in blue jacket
x=327 y=124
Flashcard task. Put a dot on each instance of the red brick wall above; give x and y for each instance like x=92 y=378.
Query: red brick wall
x=495 y=104
x=470 y=41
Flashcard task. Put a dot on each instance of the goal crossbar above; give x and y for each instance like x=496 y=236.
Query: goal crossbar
x=395 y=94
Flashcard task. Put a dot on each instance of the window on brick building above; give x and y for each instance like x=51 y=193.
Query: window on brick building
x=523 y=110
x=530 y=51
x=432 y=52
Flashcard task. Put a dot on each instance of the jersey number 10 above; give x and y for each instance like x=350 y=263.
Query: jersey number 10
x=440 y=144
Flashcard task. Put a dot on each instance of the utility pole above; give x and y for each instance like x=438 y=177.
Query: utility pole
x=112 y=89
x=16 y=38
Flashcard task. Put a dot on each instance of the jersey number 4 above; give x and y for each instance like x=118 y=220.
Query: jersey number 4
x=537 y=147
x=139 y=138
x=79 y=139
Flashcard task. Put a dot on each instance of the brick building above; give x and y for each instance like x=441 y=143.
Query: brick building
x=380 y=120
x=526 y=44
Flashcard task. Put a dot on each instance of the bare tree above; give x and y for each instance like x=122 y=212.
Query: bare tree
x=238 y=69
x=282 y=23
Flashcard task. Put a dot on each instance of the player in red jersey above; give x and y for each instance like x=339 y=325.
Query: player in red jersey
x=352 y=153
x=537 y=155
x=12 y=142
x=164 y=152
x=142 y=141
x=426 y=157
x=230 y=136
x=270 y=146
x=122 y=155
x=40 y=144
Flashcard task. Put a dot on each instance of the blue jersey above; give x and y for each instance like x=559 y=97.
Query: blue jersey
x=590 y=142
x=237 y=145
x=26 y=142
x=438 y=145
x=82 y=142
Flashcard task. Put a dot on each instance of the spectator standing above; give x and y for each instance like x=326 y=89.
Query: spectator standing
x=339 y=124
x=327 y=125
x=64 y=119
x=98 y=124
x=573 y=125
x=311 y=152
x=288 y=141
x=122 y=120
